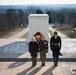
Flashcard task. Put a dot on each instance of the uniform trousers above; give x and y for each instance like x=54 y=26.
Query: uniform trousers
x=43 y=56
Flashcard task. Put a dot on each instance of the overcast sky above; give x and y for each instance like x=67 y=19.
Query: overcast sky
x=25 y=2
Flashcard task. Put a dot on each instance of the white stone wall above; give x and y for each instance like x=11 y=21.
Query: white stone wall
x=38 y=22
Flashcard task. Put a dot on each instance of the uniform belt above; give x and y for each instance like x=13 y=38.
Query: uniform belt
x=55 y=44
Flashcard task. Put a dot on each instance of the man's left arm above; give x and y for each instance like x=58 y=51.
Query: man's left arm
x=46 y=46
x=60 y=42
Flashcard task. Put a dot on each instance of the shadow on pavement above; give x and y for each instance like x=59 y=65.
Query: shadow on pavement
x=49 y=71
x=25 y=71
x=16 y=64
x=34 y=71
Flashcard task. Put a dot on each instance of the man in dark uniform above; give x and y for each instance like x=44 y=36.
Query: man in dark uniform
x=43 y=47
x=55 y=45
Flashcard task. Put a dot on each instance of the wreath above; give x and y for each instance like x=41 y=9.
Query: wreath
x=38 y=36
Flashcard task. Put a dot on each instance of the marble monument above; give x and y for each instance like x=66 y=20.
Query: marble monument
x=38 y=22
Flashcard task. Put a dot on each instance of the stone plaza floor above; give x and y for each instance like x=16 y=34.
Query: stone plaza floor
x=18 y=48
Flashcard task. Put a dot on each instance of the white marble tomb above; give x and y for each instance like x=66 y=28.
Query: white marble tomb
x=38 y=22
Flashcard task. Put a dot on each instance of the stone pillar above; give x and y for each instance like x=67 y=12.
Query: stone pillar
x=38 y=22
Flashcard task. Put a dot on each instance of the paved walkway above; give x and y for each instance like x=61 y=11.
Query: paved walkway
x=18 y=35
x=59 y=33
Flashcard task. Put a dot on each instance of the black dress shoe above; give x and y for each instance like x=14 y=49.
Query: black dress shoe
x=55 y=65
x=43 y=65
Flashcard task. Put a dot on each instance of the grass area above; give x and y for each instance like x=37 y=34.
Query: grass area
x=67 y=30
x=15 y=31
x=25 y=35
x=51 y=33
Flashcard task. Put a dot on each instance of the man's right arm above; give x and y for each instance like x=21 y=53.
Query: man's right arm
x=51 y=44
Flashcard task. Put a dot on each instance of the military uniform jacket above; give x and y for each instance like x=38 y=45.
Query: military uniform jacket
x=55 y=45
x=43 y=45
x=55 y=42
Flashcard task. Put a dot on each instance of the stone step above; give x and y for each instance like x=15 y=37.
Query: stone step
x=38 y=59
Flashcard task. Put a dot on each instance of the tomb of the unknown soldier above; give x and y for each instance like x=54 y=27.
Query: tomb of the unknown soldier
x=38 y=23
